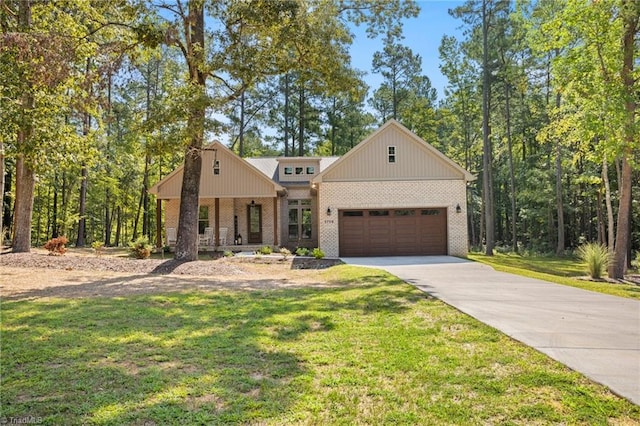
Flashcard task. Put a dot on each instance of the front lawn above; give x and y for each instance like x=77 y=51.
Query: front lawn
x=561 y=270
x=366 y=349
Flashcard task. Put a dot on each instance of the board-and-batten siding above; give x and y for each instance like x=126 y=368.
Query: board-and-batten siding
x=236 y=178
x=413 y=162
x=294 y=162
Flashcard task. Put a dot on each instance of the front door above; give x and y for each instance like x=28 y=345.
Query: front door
x=254 y=218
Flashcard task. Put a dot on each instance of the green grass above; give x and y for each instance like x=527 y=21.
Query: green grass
x=561 y=270
x=369 y=349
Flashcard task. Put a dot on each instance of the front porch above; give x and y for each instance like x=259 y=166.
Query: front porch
x=234 y=224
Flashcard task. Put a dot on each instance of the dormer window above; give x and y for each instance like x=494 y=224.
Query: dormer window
x=391 y=154
x=216 y=167
x=310 y=170
x=299 y=170
x=288 y=170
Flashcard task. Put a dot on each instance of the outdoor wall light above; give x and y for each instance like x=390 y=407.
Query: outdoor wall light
x=458 y=209
x=253 y=202
x=328 y=211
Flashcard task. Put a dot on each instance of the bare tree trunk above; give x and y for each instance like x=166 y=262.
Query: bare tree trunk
x=512 y=176
x=333 y=127
x=286 y=115
x=187 y=239
x=23 y=207
x=559 y=201
x=25 y=175
x=7 y=219
x=82 y=221
x=107 y=196
x=1 y=193
x=54 y=216
x=487 y=155
x=118 y=226
x=80 y=241
x=301 y=120
x=607 y=198
x=631 y=16
x=600 y=219
x=241 y=133
x=146 y=217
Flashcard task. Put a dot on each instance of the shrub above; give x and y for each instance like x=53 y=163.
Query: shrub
x=140 y=248
x=301 y=251
x=317 y=253
x=285 y=252
x=98 y=247
x=56 y=246
x=265 y=250
x=596 y=257
x=227 y=253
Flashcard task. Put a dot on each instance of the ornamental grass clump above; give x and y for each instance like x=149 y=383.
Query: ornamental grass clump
x=596 y=257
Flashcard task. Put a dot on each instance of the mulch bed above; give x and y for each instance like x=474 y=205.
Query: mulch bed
x=218 y=266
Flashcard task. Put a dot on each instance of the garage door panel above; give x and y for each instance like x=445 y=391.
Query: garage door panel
x=400 y=232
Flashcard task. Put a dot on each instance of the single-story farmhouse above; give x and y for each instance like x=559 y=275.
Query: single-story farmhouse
x=391 y=195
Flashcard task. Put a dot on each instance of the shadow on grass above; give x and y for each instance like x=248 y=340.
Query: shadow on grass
x=183 y=356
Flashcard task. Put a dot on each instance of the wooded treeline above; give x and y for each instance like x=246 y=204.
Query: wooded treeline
x=99 y=101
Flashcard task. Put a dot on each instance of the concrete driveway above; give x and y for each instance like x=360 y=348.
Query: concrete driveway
x=595 y=334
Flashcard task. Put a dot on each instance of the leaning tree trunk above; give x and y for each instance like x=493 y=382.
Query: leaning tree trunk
x=187 y=239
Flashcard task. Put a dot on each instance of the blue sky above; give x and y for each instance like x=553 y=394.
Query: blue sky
x=422 y=34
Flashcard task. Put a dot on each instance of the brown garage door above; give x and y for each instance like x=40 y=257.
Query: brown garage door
x=393 y=232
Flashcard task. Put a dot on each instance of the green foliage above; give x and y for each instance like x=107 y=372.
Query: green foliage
x=98 y=247
x=302 y=251
x=56 y=246
x=227 y=253
x=140 y=248
x=265 y=250
x=596 y=257
x=317 y=253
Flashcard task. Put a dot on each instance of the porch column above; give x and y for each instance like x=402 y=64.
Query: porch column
x=275 y=221
x=159 y=223
x=216 y=209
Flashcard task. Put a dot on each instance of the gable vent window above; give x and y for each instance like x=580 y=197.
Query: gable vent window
x=216 y=167
x=391 y=154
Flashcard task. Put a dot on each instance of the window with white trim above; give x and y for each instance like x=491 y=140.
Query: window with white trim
x=391 y=154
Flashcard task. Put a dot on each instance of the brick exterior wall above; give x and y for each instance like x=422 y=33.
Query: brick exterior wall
x=392 y=195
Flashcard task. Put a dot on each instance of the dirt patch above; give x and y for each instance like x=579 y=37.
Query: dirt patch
x=36 y=275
